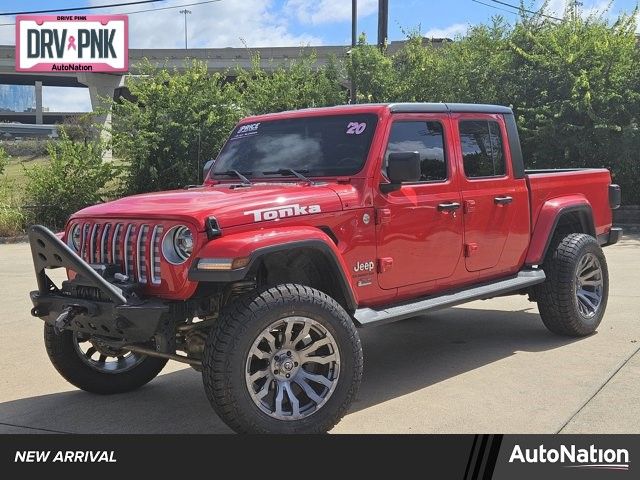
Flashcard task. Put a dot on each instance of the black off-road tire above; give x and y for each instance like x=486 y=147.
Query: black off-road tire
x=556 y=297
x=228 y=345
x=66 y=360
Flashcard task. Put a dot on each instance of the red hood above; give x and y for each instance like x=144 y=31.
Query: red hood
x=230 y=206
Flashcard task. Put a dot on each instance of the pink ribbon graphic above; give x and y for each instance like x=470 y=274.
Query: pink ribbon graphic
x=72 y=43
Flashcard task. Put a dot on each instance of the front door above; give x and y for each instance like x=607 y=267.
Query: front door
x=419 y=225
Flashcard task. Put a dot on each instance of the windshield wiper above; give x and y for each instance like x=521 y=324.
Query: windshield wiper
x=291 y=171
x=236 y=173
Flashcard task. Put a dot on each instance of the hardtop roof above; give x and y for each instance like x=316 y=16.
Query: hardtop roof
x=401 y=107
x=448 y=107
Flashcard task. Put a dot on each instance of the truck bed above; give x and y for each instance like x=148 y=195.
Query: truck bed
x=591 y=184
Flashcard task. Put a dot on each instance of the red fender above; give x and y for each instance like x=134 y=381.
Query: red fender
x=255 y=244
x=547 y=220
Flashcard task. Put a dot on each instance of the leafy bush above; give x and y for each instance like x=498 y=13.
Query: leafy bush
x=11 y=220
x=80 y=128
x=574 y=85
x=11 y=217
x=373 y=72
x=298 y=84
x=177 y=122
x=75 y=177
x=4 y=159
x=26 y=148
x=625 y=166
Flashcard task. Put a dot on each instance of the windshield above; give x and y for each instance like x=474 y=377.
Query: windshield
x=316 y=146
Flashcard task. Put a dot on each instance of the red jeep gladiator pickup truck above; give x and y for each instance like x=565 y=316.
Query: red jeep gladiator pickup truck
x=311 y=224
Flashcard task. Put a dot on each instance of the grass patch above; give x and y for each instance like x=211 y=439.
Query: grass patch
x=15 y=170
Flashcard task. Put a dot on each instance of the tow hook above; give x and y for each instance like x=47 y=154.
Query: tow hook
x=66 y=316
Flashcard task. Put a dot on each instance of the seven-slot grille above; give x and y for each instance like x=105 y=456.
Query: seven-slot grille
x=135 y=247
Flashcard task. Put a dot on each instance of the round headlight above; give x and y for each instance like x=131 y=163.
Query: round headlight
x=74 y=237
x=184 y=242
x=177 y=244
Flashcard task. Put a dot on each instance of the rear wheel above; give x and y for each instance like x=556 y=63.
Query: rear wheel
x=573 y=299
x=284 y=360
x=94 y=367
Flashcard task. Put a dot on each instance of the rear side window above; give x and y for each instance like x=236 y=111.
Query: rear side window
x=482 y=151
x=426 y=138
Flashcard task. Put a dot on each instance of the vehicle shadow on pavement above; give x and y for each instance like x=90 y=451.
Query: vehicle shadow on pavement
x=399 y=359
x=408 y=356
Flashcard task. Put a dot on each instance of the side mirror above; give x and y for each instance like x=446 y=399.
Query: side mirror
x=206 y=168
x=402 y=167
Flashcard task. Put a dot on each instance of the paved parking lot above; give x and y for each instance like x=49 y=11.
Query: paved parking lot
x=485 y=367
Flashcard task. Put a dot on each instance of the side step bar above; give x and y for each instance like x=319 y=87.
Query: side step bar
x=525 y=278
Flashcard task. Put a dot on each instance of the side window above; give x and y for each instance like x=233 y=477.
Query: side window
x=482 y=151
x=424 y=137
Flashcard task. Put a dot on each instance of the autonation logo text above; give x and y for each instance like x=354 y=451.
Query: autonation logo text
x=573 y=457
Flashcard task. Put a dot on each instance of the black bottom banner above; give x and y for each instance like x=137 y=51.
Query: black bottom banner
x=464 y=457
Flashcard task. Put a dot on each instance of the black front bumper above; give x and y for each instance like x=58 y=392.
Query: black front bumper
x=89 y=303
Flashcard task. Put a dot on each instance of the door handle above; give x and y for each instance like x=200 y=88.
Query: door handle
x=503 y=200
x=448 y=207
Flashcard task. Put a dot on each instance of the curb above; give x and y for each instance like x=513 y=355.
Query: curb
x=629 y=228
x=16 y=239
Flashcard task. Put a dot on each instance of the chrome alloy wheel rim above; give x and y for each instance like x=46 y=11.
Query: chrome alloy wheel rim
x=292 y=368
x=104 y=359
x=589 y=285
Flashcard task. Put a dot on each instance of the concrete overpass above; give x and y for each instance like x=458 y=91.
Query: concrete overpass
x=102 y=85
x=13 y=130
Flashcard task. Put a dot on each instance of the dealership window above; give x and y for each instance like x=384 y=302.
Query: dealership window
x=482 y=150
x=424 y=137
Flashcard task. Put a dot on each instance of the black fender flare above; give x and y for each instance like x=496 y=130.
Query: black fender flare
x=585 y=215
x=241 y=273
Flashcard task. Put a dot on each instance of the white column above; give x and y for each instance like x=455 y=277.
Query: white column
x=102 y=88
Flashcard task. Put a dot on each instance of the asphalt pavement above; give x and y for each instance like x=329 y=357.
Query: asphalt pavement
x=485 y=367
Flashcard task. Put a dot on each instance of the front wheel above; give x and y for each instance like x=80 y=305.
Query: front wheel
x=573 y=299
x=284 y=360
x=92 y=366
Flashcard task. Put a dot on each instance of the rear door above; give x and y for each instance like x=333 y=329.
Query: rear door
x=419 y=225
x=495 y=205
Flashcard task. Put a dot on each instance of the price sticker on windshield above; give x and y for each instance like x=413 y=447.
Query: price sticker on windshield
x=356 y=128
x=246 y=130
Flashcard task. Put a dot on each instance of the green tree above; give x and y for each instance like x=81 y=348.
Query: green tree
x=298 y=84
x=417 y=71
x=373 y=72
x=574 y=85
x=176 y=121
x=575 y=93
x=576 y=76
